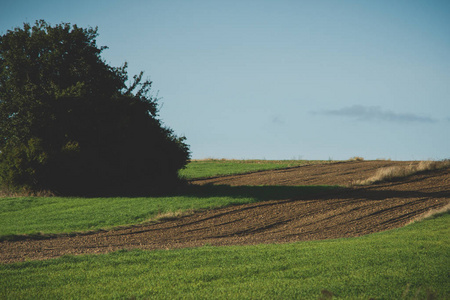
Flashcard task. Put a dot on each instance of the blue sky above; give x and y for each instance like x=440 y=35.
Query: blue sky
x=281 y=79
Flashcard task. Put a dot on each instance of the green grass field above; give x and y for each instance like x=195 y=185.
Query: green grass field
x=216 y=167
x=408 y=263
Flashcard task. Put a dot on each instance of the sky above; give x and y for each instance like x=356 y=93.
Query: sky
x=280 y=79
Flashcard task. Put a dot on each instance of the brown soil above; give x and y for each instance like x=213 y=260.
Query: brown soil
x=344 y=212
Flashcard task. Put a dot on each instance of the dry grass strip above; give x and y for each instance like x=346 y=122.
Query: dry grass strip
x=431 y=213
x=390 y=173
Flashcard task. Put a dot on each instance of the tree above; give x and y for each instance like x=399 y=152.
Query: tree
x=69 y=122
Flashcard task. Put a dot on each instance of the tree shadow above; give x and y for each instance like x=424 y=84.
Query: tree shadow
x=259 y=193
x=317 y=192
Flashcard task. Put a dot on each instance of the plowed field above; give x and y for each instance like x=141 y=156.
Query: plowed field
x=344 y=212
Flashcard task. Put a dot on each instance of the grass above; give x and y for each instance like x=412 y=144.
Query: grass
x=219 y=167
x=49 y=215
x=407 y=263
x=396 y=172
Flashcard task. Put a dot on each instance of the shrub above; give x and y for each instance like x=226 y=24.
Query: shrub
x=69 y=122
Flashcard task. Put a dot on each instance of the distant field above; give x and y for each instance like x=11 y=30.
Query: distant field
x=407 y=263
x=218 y=167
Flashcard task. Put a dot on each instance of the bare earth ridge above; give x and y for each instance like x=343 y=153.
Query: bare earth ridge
x=345 y=212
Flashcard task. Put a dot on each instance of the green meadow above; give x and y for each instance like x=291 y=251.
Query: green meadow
x=407 y=263
x=220 y=167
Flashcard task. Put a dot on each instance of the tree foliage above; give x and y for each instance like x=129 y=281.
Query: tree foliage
x=69 y=122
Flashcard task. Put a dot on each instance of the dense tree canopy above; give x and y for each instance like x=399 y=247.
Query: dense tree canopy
x=69 y=122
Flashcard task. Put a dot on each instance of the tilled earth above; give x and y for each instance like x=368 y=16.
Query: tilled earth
x=342 y=212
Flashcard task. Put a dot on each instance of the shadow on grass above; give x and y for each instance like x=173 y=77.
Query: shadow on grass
x=259 y=193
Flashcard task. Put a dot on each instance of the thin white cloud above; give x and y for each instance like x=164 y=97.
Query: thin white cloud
x=367 y=113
